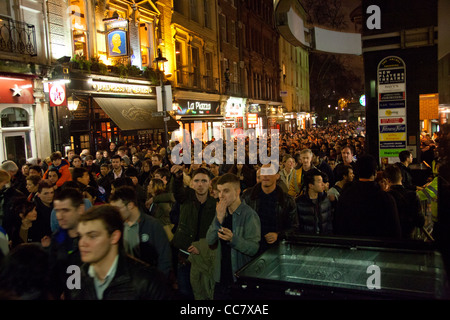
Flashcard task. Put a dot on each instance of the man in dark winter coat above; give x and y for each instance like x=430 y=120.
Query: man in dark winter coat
x=276 y=209
x=408 y=203
x=364 y=209
x=315 y=212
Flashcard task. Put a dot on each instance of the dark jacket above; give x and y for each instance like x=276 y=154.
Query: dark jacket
x=7 y=198
x=189 y=228
x=133 y=280
x=63 y=252
x=286 y=210
x=407 y=180
x=409 y=209
x=315 y=218
x=154 y=247
x=365 y=210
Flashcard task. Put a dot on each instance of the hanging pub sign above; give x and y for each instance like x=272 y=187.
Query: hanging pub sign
x=117 y=38
x=391 y=108
x=57 y=94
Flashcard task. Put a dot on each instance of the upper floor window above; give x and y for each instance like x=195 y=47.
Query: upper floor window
x=193 y=4
x=79 y=27
x=146 y=40
x=178 y=6
x=207 y=13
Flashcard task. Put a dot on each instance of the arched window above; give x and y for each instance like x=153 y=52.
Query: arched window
x=14 y=117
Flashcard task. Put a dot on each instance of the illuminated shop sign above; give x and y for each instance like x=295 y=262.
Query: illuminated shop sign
x=197 y=107
x=121 y=88
x=235 y=107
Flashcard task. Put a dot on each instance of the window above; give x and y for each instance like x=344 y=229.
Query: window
x=223 y=28
x=194 y=10
x=178 y=6
x=209 y=70
x=179 y=61
x=5 y=7
x=79 y=28
x=207 y=14
x=14 y=117
x=195 y=67
x=233 y=33
x=146 y=40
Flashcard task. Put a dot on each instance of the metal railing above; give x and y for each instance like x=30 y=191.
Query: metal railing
x=17 y=37
x=196 y=81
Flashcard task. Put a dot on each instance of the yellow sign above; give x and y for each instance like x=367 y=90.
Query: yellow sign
x=393 y=136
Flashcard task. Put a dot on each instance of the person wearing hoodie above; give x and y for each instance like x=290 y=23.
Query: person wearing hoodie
x=62 y=165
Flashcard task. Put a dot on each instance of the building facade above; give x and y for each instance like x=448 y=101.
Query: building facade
x=24 y=63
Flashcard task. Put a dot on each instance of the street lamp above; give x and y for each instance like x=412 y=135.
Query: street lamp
x=160 y=59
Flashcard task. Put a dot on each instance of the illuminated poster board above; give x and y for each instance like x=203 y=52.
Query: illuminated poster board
x=391 y=108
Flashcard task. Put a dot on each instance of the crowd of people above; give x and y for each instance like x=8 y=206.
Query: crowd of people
x=143 y=227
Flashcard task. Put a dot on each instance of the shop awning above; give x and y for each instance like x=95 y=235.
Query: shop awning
x=134 y=114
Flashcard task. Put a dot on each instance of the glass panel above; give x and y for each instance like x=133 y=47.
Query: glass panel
x=14 y=117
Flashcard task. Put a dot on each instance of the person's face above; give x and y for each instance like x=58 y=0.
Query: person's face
x=146 y=167
x=123 y=207
x=98 y=155
x=158 y=176
x=95 y=243
x=89 y=162
x=31 y=187
x=306 y=159
x=76 y=163
x=104 y=171
x=200 y=183
x=351 y=175
x=84 y=179
x=289 y=164
x=115 y=163
x=268 y=180
x=347 y=155
x=112 y=146
x=155 y=161
x=135 y=159
x=25 y=170
x=57 y=162
x=214 y=168
x=46 y=195
x=410 y=159
x=33 y=172
x=228 y=193
x=70 y=154
x=105 y=154
x=318 y=186
x=52 y=176
x=66 y=214
x=30 y=216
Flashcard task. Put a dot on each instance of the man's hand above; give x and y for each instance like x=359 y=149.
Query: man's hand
x=271 y=237
x=177 y=170
x=193 y=250
x=225 y=234
x=221 y=210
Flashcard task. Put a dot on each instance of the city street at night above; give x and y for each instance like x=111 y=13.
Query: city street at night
x=225 y=157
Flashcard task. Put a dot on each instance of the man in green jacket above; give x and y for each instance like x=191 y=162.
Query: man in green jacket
x=197 y=210
x=236 y=230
